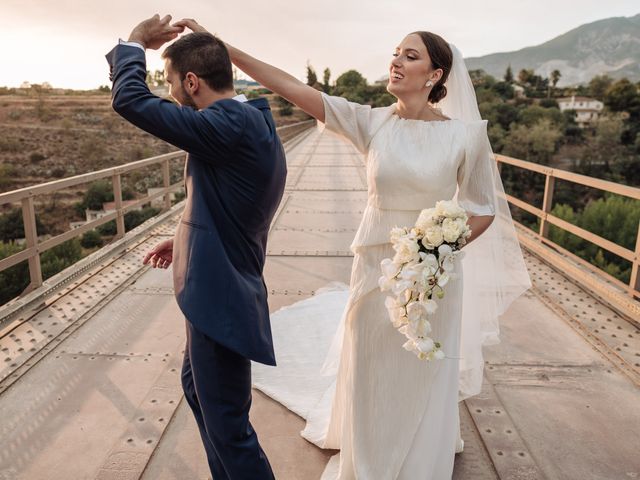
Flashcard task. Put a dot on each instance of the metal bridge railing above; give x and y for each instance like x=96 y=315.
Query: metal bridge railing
x=26 y=196
x=632 y=289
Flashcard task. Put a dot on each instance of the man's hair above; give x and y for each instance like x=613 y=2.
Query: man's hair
x=204 y=55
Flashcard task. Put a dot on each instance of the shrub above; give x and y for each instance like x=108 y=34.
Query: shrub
x=36 y=157
x=91 y=239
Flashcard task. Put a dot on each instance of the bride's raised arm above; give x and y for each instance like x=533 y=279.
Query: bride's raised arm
x=307 y=98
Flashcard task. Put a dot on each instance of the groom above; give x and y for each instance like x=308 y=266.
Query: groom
x=234 y=177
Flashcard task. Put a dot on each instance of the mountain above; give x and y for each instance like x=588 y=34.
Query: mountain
x=610 y=46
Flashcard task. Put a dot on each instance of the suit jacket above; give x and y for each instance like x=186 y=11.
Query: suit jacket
x=234 y=176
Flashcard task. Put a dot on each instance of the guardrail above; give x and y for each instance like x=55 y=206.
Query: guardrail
x=546 y=218
x=27 y=195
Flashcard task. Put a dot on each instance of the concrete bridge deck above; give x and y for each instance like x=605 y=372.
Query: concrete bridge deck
x=89 y=374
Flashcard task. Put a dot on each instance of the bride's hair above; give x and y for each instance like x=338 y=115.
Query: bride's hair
x=441 y=57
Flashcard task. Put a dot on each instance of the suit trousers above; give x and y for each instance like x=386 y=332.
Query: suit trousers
x=217 y=386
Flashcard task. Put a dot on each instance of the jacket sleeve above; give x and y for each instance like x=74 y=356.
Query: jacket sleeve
x=211 y=133
x=476 y=182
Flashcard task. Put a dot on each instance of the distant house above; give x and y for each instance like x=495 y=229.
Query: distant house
x=159 y=201
x=382 y=80
x=587 y=109
x=107 y=208
x=518 y=91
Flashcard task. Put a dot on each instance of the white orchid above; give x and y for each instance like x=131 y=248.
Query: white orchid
x=424 y=263
x=389 y=268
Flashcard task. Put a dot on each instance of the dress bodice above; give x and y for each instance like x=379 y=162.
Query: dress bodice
x=412 y=164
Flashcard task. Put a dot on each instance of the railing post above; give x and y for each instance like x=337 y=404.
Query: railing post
x=634 y=284
x=117 y=197
x=166 y=183
x=547 y=202
x=31 y=237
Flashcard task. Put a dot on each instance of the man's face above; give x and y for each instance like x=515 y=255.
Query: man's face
x=176 y=86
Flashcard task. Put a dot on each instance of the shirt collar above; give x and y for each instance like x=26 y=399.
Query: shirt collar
x=240 y=98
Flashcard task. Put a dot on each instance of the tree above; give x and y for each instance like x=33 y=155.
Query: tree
x=605 y=147
x=555 y=77
x=326 y=76
x=158 y=78
x=612 y=217
x=504 y=89
x=598 y=86
x=312 y=78
x=91 y=239
x=531 y=115
x=622 y=96
x=60 y=257
x=536 y=143
x=155 y=78
x=351 y=79
x=353 y=86
x=524 y=76
x=12 y=226
x=508 y=75
x=14 y=279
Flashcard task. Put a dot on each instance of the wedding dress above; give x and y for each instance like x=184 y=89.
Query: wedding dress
x=341 y=364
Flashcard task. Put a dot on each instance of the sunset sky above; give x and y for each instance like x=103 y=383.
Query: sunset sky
x=64 y=41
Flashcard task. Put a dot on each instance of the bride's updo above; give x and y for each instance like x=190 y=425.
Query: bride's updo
x=441 y=57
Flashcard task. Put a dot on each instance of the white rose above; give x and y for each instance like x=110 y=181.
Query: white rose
x=439 y=354
x=426 y=219
x=462 y=224
x=450 y=230
x=449 y=208
x=397 y=233
x=433 y=236
x=407 y=246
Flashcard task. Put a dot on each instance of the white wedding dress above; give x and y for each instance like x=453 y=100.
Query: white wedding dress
x=392 y=415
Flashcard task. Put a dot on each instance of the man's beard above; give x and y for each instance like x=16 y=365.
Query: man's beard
x=187 y=100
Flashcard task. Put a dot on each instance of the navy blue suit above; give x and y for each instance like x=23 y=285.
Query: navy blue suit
x=234 y=176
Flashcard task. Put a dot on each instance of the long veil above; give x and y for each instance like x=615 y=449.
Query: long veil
x=494 y=270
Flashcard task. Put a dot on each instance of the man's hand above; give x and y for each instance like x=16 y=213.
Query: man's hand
x=161 y=255
x=155 y=32
x=191 y=24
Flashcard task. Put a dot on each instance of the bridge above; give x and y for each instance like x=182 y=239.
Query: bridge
x=90 y=359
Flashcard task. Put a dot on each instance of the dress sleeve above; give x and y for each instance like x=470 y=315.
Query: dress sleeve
x=476 y=176
x=349 y=120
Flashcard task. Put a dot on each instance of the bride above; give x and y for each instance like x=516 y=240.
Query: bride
x=392 y=415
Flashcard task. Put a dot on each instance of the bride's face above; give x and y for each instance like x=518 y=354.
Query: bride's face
x=411 y=68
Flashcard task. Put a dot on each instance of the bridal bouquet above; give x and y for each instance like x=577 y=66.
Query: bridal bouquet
x=419 y=271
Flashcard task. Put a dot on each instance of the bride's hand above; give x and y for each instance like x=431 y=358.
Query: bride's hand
x=191 y=24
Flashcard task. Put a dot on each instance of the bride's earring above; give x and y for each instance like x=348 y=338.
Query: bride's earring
x=429 y=83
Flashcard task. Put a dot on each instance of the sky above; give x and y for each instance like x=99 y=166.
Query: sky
x=63 y=42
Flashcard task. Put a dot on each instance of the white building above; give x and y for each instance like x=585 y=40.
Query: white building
x=587 y=109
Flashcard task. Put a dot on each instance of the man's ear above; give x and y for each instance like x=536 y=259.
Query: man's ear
x=191 y=83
